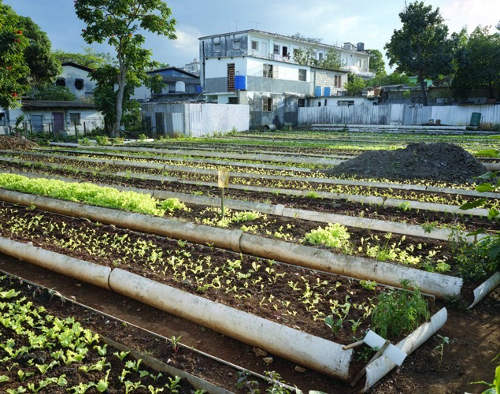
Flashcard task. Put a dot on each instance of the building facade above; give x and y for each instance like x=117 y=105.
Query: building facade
x=259 y=68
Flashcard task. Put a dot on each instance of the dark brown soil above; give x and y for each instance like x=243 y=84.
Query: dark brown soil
x=16 y=143
x=436 y=161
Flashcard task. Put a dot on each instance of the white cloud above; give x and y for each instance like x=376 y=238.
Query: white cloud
x=470 y=13
x=187 y=40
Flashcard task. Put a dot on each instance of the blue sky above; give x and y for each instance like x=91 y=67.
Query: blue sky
x=334 y=21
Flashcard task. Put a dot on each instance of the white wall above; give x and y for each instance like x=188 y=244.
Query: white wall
x=397 y=114
x=70 y=74
x=281 y=70
x=215 y=68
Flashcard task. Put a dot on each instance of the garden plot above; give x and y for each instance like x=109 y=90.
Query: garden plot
x=43 y=352
x=357 y=191
x=304 y=201
x=383 y=247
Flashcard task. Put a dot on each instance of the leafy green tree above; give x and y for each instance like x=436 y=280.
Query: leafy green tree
x=89 y=58
x=53 y=92
x=331 y=60
x=377 y=64
x=155 y=83
x=43 y=65
x=382 y=79
x=477 y=62
x=119 y=22
x=421 y=47
x=355 y=85
x=13 y=68
x=106 y=78
x=305 y=57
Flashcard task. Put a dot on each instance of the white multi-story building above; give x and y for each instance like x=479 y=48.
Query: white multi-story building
x=260 y=69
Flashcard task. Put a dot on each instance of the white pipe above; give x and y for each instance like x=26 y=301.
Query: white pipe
x=382 y=366
x=305 y=349
x=79 y=269
x=358 y=267
x=484 y=288
x=306 y=256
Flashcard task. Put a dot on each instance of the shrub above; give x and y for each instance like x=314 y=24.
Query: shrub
x=334 y=235
x=102 y=139
x=399 y=312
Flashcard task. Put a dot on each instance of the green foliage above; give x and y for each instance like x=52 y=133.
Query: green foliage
x=334 y=236
x=493 y=388
x=488 y=153
x=120 y=24
x=14 y=69
x=394 y=78
x=172 y=204
x=89 y=58
x=52 y=92
x=377 y=64
x=83 y=192
x=421 y=47
x=477 y=61
x=102 y=139
x=355 y=85
x=399 y=312
x=368 y=284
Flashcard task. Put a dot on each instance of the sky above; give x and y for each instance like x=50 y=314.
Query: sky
x=334 y=21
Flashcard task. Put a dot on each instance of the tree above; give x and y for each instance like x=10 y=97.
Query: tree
x=119 y=22
x=43 y=65
x=13 y=68
x=307 y=57
x=382 y=79
x=355 y=85
x=53 y=92
x=377 y=64
x=421 y=47
x=477 y=61
x=106 y=78
x=89 y=58
x=331 y=60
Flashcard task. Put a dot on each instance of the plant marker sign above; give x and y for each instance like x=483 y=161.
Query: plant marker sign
x=222 y=182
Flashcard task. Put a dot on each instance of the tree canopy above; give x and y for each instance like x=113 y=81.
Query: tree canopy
x=88 y=58
x=421 y=47
x=377 y=64
x=355 y=85
x=120 y=23
x=477 y=62
x=307 y=57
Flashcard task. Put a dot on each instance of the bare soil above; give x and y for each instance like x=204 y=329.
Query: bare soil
x=8 y=142
x=436 y=161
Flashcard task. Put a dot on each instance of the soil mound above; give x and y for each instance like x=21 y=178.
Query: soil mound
x=16 y=143
x=435 y=161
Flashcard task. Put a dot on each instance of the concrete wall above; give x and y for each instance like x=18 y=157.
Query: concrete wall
x=71 y=74
x=397 y=114
x=196 y=120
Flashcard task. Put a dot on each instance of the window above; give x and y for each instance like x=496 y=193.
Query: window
x=268 y=71
x=79 y=84
x=74 y=118
x=267 y=104
x=302 y=103
x=284 y=52
x=230 y=77
x=276 y=50
x=233 y=100
x=302 y=74
x=338 y=81
x=255 y=45
x=61 y=82
x=37 y=123
x=320 y=56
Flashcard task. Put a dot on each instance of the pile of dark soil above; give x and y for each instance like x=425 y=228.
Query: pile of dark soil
x=436 y=161
x=16 y=143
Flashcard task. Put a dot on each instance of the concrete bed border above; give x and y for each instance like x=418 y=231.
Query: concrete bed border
x=433 y=283
x=327 y=181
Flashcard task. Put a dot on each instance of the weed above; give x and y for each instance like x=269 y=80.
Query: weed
x=399 y=312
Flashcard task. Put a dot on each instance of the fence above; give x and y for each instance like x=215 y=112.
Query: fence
x=34 y=126
x=195 y=120
x=398 y=114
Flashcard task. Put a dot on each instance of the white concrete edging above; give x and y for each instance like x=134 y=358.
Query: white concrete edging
x=382 y=366
x=437 y=284
x=306 y=349
x=484 y=288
